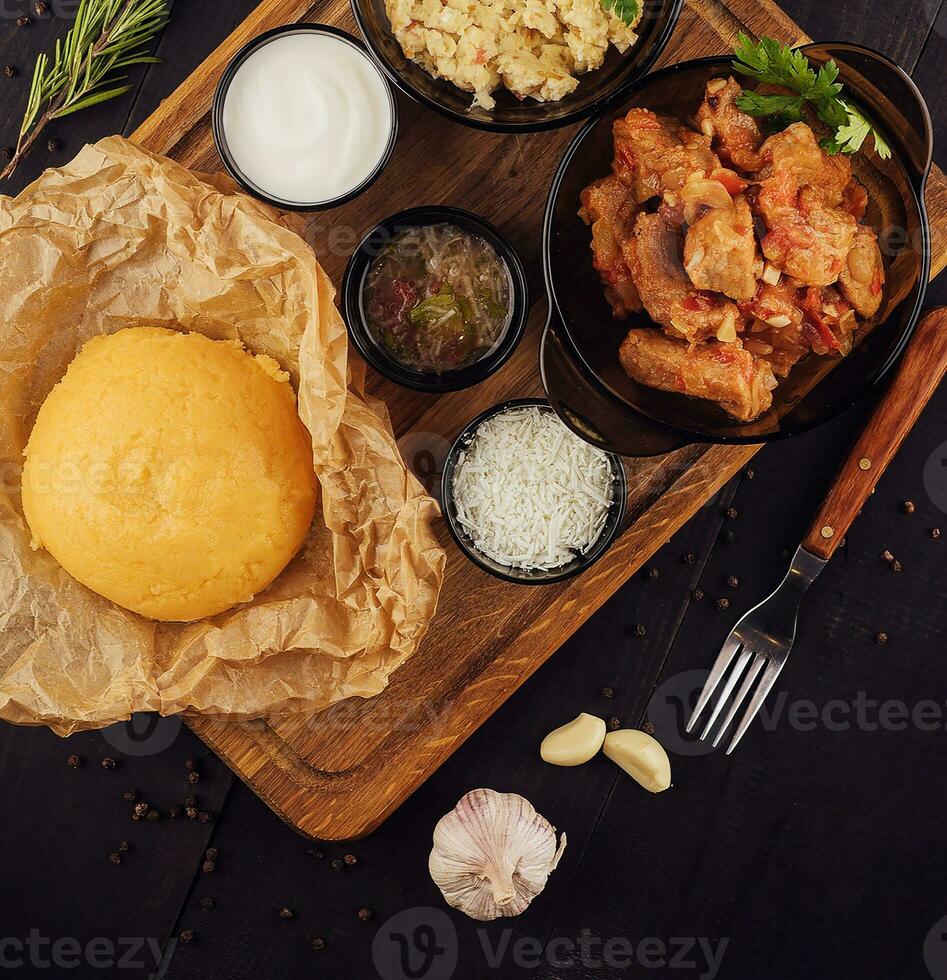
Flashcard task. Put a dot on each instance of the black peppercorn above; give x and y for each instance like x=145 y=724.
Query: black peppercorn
x=614 y=724
x=207 y=867
x=285 y=913
x=337 y=865
x=187 y=935
x=935 y=532
x=205 y=816
x=315 y=853
x=748 y=473
x=653 y=574
x=887 y=556
x=732 y=581
x=351 y=860
x=74 y=762
x=723 y=603
x=9 y=71
x=53 y=146
x=896 y=566
x=190 y=800
x=881 y=638
x=123 y=847
x=211 y=853
x=109 y=763
x=115 y=857
x=130 y=795
x=365 y=915
x=690 y=558
x=318 y=944
x=141 y=809
x=731 y=513
x=40 y=7
x=153 y=815
x=174 y=812
x=190 y=812
x=648 y=728
x=697 y=595
x=23 y=22
x=908 y=507
x=193 y=776
x=730 y=535
x=640 y=630
x=207 y=903
x=189 y=764
x=607 y=692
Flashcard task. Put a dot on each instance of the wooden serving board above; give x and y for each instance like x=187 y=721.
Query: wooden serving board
x=338 y=774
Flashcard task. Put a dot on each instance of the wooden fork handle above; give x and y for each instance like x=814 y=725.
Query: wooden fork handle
x=920 y=372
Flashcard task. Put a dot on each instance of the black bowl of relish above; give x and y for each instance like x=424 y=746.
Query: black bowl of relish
x=435 y=298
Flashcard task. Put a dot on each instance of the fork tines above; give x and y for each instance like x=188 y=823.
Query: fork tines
x=746 y=665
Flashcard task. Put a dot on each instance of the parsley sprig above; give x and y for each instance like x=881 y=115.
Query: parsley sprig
x=626 y=10
x=773 y=63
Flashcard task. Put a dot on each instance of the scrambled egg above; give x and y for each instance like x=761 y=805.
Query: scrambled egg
x=534 y=48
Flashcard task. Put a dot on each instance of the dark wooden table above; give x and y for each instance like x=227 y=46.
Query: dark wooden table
x=816 y=851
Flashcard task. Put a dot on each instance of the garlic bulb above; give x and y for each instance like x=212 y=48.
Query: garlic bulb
x=493 y=854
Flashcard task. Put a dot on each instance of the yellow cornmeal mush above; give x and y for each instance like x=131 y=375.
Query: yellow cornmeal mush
x=170 y=472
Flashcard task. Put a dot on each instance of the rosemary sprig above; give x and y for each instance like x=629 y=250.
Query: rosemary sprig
x=107 y=37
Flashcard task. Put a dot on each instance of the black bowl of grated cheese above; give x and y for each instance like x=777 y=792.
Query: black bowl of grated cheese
x=526 y=499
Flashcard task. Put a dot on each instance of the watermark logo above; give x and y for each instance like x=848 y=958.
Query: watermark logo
x=935 y=477
x=416 y=944
x=424 y=454
x=670 y=708
x=935 y=950
x=145 y=733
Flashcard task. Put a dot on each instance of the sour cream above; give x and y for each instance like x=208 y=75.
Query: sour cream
x=307 y=118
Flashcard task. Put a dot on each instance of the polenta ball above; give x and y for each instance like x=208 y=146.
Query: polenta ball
x=170 y=473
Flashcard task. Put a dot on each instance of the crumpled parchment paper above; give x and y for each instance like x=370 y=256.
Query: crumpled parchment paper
x=120 y=238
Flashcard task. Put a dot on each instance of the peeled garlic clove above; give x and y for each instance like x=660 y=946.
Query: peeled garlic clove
x=493 y=854
x=575 y=743
x=641 y=756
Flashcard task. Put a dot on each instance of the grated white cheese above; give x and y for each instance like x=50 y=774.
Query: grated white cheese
x=529 y=492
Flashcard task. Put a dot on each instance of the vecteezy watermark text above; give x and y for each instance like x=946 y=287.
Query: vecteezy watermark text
x=40 y=952
x=674 y=699
x=699 y=955
x=422 y=944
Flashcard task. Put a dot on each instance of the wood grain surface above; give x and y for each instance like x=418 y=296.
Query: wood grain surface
x=337 y=775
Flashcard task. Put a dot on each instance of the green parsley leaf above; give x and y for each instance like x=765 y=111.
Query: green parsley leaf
x=788 y=107
x=772 y=63
x=626 y=10
x=852 y=135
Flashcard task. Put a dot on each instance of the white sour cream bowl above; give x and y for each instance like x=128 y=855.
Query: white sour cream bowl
x=303 y=118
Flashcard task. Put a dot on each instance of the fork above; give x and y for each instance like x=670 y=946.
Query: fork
x=757 y=648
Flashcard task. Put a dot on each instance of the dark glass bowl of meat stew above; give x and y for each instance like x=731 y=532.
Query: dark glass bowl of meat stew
x=599 y=370
x=435 y=298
